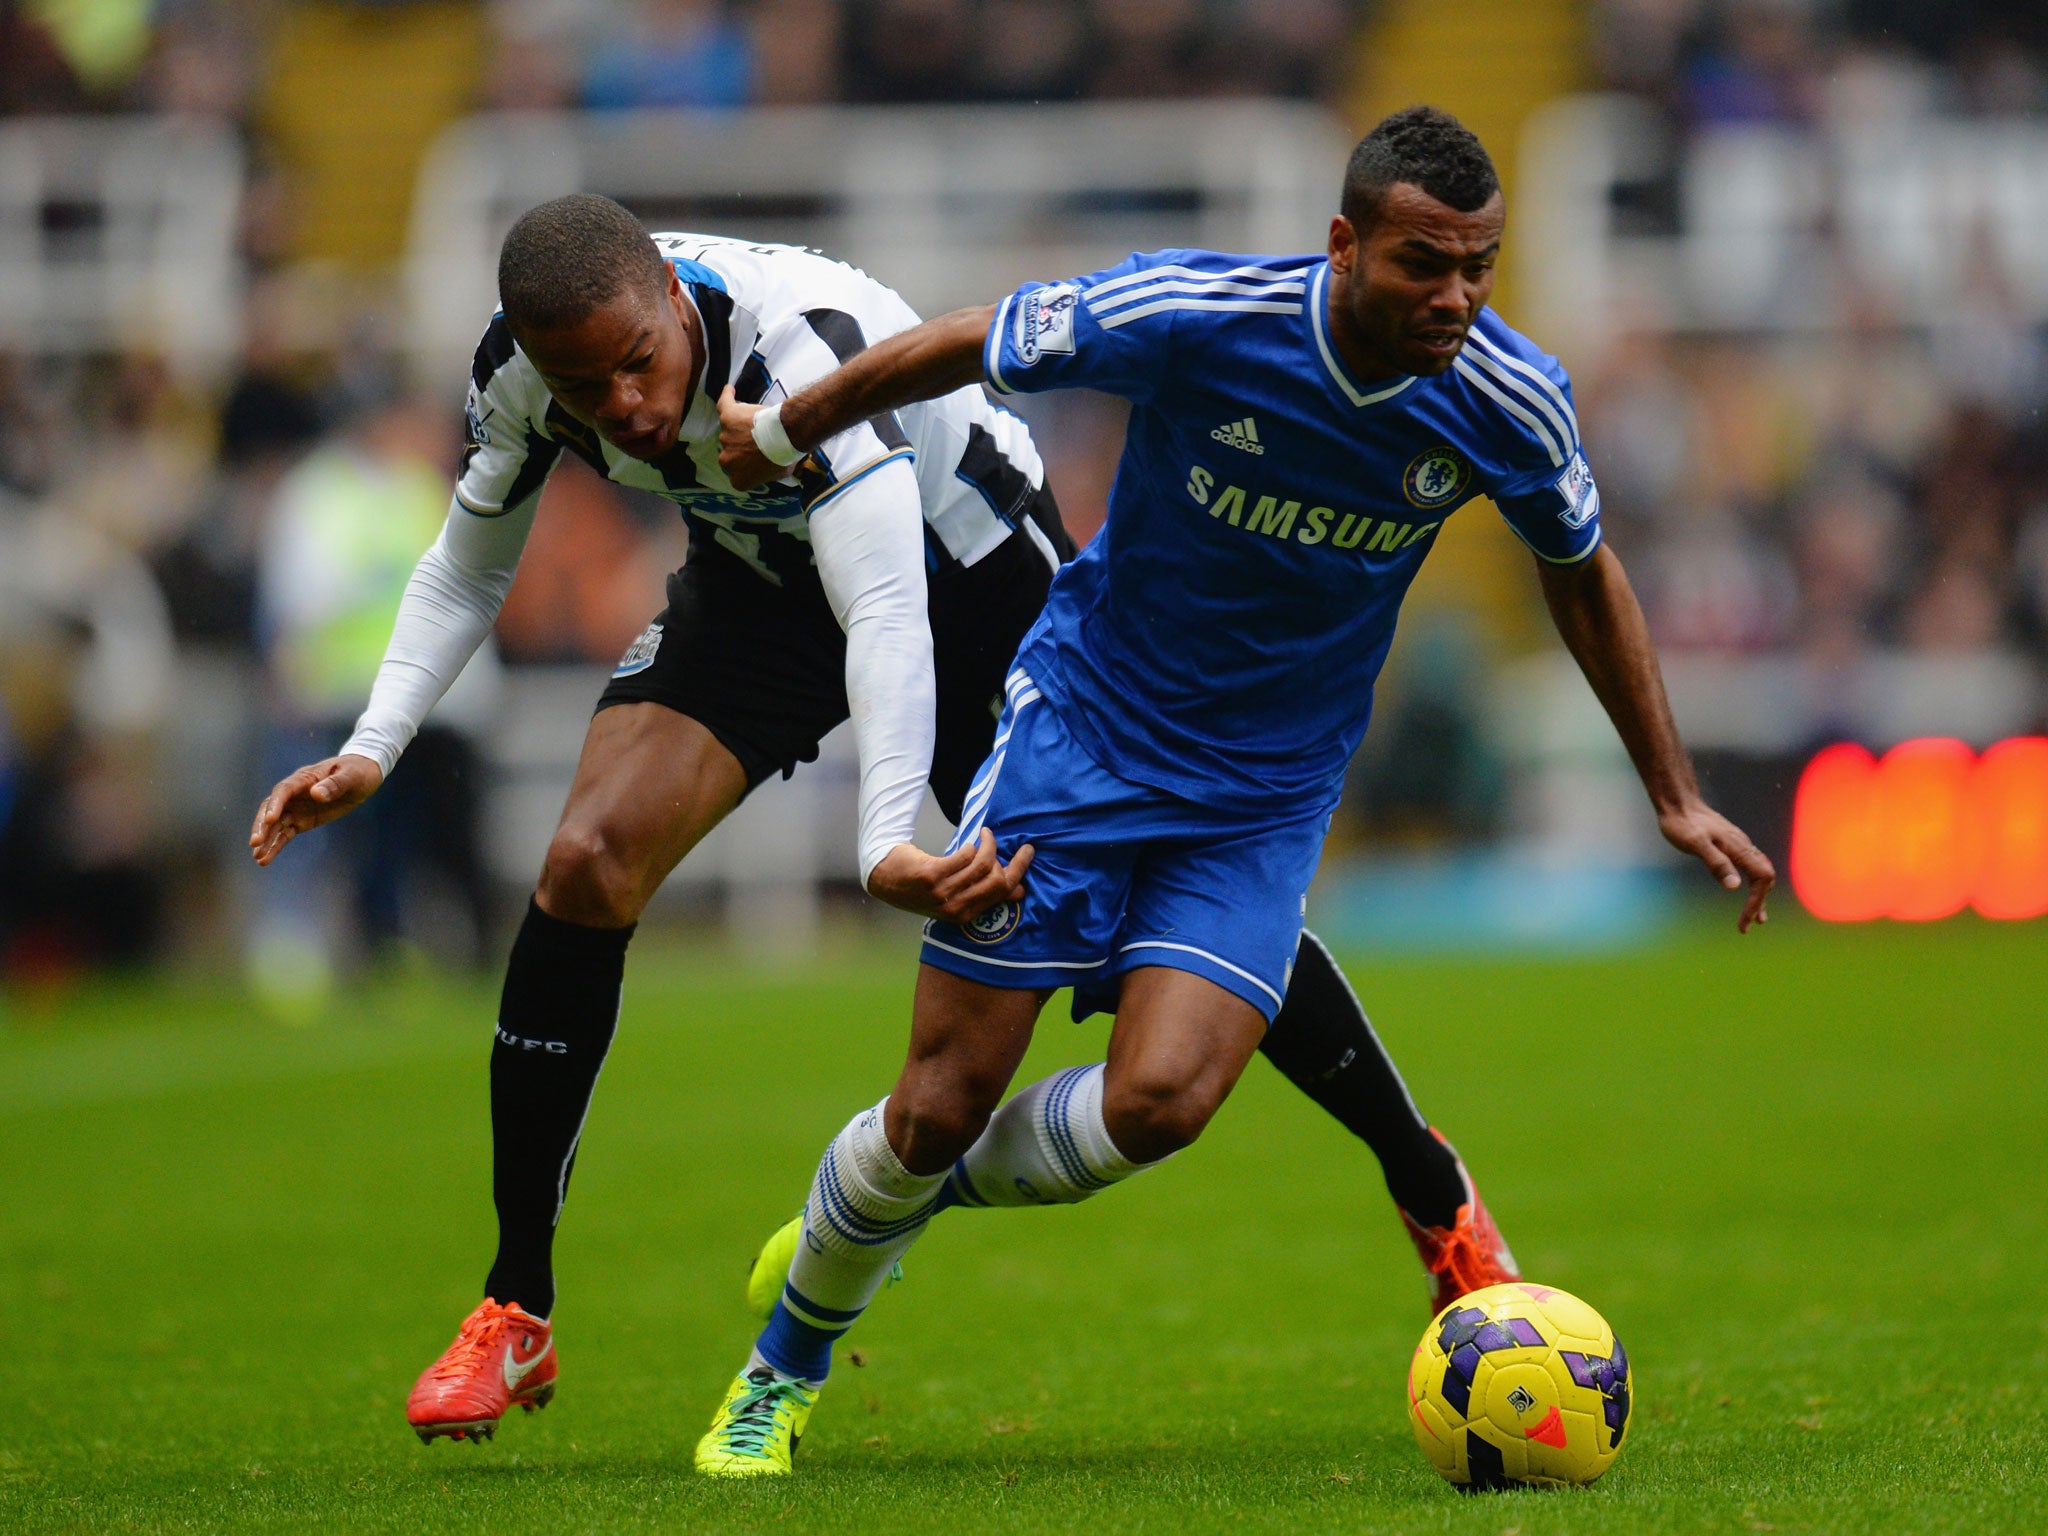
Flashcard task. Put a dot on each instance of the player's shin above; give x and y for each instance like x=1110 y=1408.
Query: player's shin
x=1047 y=1146
x=865 y=1211
x=1324 y=1044
x=555 y=1024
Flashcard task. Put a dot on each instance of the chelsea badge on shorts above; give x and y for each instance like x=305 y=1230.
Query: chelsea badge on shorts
x=640 y=654
x=996 y=924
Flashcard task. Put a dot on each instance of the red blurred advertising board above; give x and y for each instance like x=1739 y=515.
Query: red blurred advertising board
x=1924 y=831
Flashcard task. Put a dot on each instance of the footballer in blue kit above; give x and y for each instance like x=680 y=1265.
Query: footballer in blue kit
x=1178 y=721
x=1210 y=657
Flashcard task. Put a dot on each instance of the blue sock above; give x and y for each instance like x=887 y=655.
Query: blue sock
x=795 y=1347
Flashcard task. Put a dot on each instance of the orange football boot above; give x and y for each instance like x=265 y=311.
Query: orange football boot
x=501 y=1356
x=1467 y=1256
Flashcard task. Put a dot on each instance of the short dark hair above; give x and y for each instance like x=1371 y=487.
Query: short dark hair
x=1425 y=147
x=562 y=259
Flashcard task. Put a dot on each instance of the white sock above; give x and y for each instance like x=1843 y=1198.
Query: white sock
x=1047 y=1146
x=865 y=1211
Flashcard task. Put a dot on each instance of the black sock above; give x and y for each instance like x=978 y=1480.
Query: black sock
x=555 y=1023
x=1324 y=1044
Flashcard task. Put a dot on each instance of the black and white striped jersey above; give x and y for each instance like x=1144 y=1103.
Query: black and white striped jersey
x=776 y=318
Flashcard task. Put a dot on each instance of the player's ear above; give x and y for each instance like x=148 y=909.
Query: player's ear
x=1343 y=245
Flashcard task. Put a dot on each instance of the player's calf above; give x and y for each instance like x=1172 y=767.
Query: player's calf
x=1050 y=1145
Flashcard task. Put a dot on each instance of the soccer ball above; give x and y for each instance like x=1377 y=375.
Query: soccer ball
x=1519 y=1384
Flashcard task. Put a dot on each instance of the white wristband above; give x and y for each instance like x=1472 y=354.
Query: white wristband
x=773 y=442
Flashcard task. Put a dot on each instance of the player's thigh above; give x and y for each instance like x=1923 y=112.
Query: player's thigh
x=966 y=1039
x=649 y=785
x=736 y=680
x=1178 y=1048
x=762 y=667
x=1227 y=905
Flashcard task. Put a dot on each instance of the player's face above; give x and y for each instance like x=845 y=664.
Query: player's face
x=626 y=369
x=1405 y=291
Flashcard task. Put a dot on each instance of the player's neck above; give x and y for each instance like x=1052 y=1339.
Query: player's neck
x=1365 y=363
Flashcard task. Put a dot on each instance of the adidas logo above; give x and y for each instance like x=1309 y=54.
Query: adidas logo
x=1239 y=434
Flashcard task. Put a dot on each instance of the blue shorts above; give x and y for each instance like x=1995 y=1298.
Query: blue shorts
x=1125 y=875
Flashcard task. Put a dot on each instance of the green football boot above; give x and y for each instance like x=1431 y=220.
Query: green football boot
x=771 y=1267
x=757 y=1428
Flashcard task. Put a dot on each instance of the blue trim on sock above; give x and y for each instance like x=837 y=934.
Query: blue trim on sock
x=794 y=1347
x=849 y=1221
x=1060 y=1136
x=959 y=1190
x=822 y=1314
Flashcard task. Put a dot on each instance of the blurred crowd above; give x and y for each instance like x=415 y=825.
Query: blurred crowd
x=1833 y=63
x=1838 y=498
x=607 y=55
x=169 y=543
x=1877 y=484
x=1866 y=485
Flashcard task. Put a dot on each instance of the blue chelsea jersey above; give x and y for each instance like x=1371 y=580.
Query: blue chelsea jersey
x=1220 y=637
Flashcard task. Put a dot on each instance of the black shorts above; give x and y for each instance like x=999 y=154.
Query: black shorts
x=763 y=667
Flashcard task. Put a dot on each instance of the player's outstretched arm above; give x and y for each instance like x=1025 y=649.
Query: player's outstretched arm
x=922 y=363
x=1596 y=613
x=313 y=796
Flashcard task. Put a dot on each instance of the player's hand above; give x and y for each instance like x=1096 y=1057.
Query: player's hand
x=313 y=796
x=745 y=465
x=1700 y=830
x=956 y=887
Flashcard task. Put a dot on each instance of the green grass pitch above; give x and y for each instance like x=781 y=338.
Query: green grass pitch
x=1802 y=1173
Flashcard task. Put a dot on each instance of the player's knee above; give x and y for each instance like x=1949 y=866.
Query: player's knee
x=1151 y=1117
x=587 y=880
x=931 y=1123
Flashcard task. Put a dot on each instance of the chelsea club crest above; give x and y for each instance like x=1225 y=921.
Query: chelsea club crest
x=996 y=924
x=1436 y=478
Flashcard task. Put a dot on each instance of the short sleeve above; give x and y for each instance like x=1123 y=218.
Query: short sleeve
x=504 y=461
x=799 y=352
x=1080 y=334
x=1547 y=492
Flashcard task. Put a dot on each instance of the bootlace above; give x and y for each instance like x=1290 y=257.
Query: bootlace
x=751 y=1423
x=481 y=1331
x=1464 y=1258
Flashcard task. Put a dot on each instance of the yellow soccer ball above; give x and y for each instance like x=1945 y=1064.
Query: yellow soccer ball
x=1519 y=1384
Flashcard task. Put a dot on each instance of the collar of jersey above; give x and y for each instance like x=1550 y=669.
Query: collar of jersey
x=1318 y=312
x=703 y=406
